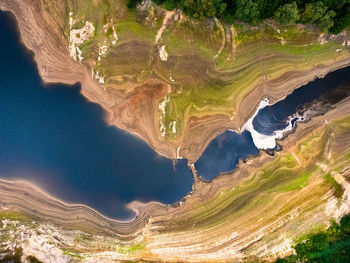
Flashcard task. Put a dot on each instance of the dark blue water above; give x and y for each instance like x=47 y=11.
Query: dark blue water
x=328 y=90
x=55 y=138
x=223 y=153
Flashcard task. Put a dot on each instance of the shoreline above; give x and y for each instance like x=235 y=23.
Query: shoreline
x=55 y=66
x=29 y=198
x=258 y=95
x=158 y=226
x=14 y=190
x=32 y=194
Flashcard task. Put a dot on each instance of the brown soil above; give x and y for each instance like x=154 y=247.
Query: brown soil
x=136 y=111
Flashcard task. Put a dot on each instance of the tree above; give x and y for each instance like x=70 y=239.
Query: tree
x=314 y=243
x=345 y=224
x=247 y=11
x=203 y=8
x=313 y=12
x=326 y=22
x=157 y=2
x=228 y=18
x=132 y=3
x=170 y=5
x=335 y=4
x=328 y=246
x=340 y=24
x=268 y=7
x=287 y=14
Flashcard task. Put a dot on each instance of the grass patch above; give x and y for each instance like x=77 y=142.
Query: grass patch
x=297 y=183
x=72 y=254
x=131 y=249
x=14 y=215
x=338 y=189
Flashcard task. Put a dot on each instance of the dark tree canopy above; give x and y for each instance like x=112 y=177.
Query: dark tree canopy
x=287 y=14
x=313 y=12
x=326 y=22
x=340 y=24
x=331 y=245
x=170 y=4
x=329 y=15
x=247 y=11
x=203 y=8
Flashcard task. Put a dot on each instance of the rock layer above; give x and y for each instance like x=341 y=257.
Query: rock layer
x=135 y=109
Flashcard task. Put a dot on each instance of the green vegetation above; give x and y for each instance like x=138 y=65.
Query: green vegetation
x=331 y=245
x=72 y=254
x=292 y=180
x=170 y=5
x=211 y=66
x=247 y=11
x=133 y=3
x=330 y=15
x=338 y=190
x=287 y=14
x=14 y=215
x=131 y=249
x=221 y=89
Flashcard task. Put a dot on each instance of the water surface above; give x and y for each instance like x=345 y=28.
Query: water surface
x=223 y=153
x=270 y=122
x=54 y=137
x=316 y=96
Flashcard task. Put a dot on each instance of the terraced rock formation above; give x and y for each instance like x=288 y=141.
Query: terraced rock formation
x=254 y=213
x=174 y=81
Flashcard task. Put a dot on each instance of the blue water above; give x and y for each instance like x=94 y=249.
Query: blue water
x=224 y=152
x=327 y=90
x=54 y=137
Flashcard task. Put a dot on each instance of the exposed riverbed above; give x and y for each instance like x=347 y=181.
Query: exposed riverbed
x=53 y=137
x=273 y=122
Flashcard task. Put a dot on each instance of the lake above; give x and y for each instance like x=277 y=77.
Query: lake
x=52 y=136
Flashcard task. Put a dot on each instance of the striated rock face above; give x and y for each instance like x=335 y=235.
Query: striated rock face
x=177 y=84
x=254 y=213
x=208 y=74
